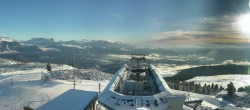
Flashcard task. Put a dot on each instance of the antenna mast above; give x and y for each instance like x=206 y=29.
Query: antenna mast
x=74 y=71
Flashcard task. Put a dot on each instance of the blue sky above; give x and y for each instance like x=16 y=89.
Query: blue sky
x=118 y=20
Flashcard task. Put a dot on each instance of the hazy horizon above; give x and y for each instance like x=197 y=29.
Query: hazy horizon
x=154 y=23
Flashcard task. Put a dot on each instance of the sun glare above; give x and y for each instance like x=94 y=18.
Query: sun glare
x=244 y=23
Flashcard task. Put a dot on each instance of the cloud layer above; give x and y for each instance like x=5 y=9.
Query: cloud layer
x=208 y=30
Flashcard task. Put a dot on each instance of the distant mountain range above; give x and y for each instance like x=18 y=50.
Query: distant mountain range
x=7 y=39
x=37 y=41
x=16 y=46
x=108 y=55
x=87 y=53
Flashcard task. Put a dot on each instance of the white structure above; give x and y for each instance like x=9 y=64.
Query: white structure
x=138 y=85
x=72 y=100
x=45 y=77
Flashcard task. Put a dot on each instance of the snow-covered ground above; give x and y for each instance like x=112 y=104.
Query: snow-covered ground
x=210 y=102
x=21 y=84
x=25 y=88
x=238 y=80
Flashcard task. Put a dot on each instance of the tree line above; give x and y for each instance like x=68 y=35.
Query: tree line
x=208 y=89
x=196 y=88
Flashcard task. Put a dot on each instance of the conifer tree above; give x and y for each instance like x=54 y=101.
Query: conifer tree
x=203 y=90
x=208 y=86
x=230 y=89
x=48 y=67
x=196 y=88
x=241 y=89
x=208 y=91
x=221 y=88
x=216 y=87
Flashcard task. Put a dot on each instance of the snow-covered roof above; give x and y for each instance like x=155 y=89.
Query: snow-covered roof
x=70 y=100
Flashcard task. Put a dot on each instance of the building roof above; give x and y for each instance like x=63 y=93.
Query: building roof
x=70 y=100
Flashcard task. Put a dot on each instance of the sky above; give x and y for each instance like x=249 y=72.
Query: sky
x=155 y=22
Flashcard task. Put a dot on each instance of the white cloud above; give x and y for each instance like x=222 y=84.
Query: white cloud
x=235 y=62
x=105 y=61
x=202 y=58
x=154 y=55
x=187 y=37
x=227 y=62
x=124 y=49
x=158 y=57
x=209 y=30
x=75 y=46
x=171 y=69
x=115 y=56
x=48 y=49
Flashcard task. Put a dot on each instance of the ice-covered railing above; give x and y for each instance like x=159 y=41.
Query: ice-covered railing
x=162 y=100
x=160 y=82
x=116 y=78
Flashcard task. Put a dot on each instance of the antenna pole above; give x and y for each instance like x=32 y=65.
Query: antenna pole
x=74 y=71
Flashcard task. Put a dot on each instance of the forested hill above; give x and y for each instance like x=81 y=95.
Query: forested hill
x=190 y=73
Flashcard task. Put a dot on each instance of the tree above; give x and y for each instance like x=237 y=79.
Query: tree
x=241 y=89
x=247 y=89
x=48 y=67
x=221 y=88
x=208 y=91
x=208 y=86
x=212 y=86
x=196 y=88
x=27 y=108
x=203 y=90
x=216 y=87
x=71 y=64
x=230 y=89
x=177 y=86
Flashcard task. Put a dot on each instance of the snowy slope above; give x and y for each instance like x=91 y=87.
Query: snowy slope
x=238 y=80
x=211 y=101
x=27 y=88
